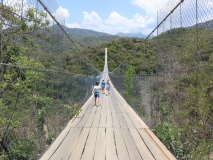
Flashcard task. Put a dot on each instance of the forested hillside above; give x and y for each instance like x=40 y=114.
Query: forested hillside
x=118 y=50
x=88 y=38
x=144 y=59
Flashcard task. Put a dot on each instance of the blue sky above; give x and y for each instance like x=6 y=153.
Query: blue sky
x=110 y=16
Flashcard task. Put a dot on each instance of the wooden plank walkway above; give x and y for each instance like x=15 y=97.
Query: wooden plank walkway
x=111 y=131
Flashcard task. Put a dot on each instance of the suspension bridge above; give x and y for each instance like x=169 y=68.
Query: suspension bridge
x=111 y=130
x=159 y=109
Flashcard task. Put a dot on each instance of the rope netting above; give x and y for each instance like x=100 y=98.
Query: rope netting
x=39 y=92
x=173 y=90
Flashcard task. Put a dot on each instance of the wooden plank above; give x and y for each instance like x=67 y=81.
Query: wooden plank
x=160 y=144
x=120 y=145
x=135 y=121
x=109 y=120
x=67 y=146
x=90 y=145
x=143 y=150
x=100 y=147
x=121 y=120
x=90 y=120
x=96 y=120
x=103 y=101
x=83 y=120
x=118 y=101
x=122 y=103
x=75 y=122
x=138 y=123
x=113 y=99
x=94 y=108
x=153 y=147
x=102 y=120
x=110 y=145
x=115 y=121
x=114 y=115
x=116 y=106
x=143 y=124
x=112 y=107
x=103 y=108
x=130 y=144
x=54 y=146
x=107 y=105
x=128 y=121
x=99 y=108
x=78 y=150
x=86 y=107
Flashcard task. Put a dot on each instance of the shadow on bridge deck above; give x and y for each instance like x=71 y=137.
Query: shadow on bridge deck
x=110 y=131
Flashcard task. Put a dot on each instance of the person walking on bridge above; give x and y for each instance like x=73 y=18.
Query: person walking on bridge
x=96 y=92
x=102 y=86
x=107 y=87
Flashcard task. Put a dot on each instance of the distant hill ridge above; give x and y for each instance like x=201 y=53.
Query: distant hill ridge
x=92 y=33
x=88 y=33
x=86 y=37
x=138 y=35
x=85 y=32
x=207 y=24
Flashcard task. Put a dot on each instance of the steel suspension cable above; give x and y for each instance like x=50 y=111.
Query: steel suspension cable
x=158 y=24
x=66 y=33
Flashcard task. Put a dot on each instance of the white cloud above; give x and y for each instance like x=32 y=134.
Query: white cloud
x=73 y=25
x=115 y=23
x=150 y=6
x=164 y=7
x=91 y=20
x=154 y=8
x=61 y=14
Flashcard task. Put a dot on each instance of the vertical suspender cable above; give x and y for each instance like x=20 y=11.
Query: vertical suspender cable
x=36 y=95
x=171 y=64
x=157 y=87
x=21 y=93
x=179 y=85
x=210 y=145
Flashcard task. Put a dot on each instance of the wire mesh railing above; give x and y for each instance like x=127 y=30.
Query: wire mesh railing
x=171 y=89
x=39 y=92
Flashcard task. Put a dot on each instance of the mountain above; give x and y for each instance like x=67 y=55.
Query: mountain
x=207 y=24
x=90 y=38
x=86 y=37
x=85 y=32
x=138 y=35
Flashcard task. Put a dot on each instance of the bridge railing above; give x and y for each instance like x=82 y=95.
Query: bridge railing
x=39 y=92
x=172 y=89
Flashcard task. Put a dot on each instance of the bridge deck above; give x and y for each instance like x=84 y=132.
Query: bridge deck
x=111 y=131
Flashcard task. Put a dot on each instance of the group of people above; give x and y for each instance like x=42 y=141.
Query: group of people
x=97 y=88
